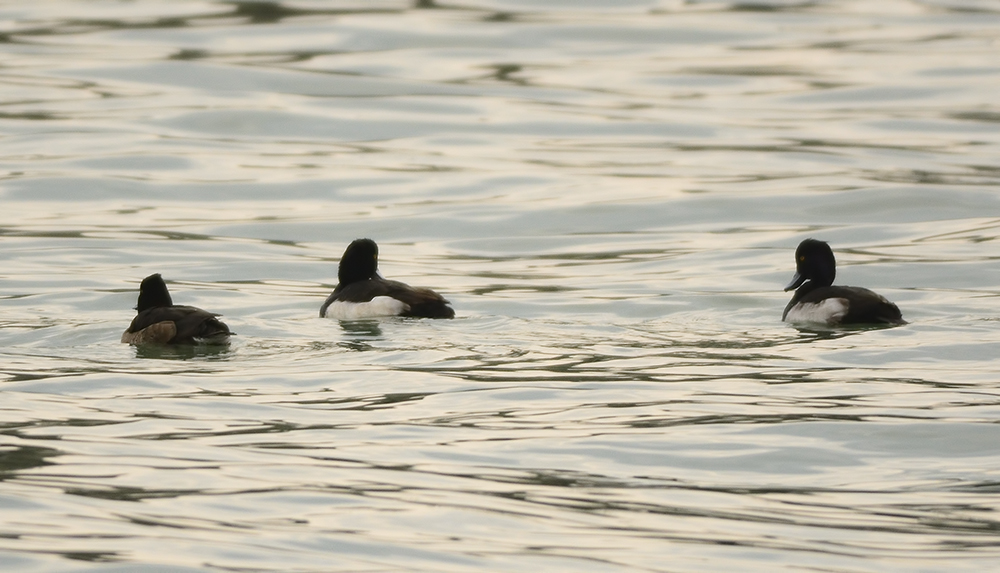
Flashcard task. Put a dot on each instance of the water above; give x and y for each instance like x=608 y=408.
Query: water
x=610 y=193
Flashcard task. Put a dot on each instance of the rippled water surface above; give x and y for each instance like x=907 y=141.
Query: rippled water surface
x=610 y=193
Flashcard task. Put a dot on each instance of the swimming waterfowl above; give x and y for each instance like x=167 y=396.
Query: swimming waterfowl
x=161 y=321
x=362 y=292
x=817 y=301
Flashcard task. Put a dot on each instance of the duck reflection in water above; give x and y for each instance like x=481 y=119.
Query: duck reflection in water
x=361 y=333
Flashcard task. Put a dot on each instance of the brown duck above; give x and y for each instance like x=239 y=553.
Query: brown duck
x=161 y=321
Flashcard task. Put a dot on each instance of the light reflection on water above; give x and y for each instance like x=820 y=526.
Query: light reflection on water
x=609 y=193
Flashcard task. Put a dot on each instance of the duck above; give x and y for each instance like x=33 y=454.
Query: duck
x=362 y=292
x=160 y=321
x=817 y=301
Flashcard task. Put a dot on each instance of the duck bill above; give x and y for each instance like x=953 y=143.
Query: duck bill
x=797 y=281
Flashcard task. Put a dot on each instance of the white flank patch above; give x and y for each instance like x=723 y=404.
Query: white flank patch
x=829 y=311
x=378 y=306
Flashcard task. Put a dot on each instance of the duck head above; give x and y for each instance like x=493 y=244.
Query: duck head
x=814 y=262
x=359 y=263
x=153 y=293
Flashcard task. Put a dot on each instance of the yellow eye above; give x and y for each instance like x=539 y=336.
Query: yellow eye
x=802 y=258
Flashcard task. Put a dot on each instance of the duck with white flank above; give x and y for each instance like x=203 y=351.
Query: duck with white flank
x=161 y=321
x=817 y=301
x=363 y=293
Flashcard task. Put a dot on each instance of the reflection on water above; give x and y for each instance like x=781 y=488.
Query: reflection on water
x=609 y=193
x=183 y=351
x=360 y=334
x=16 y=459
